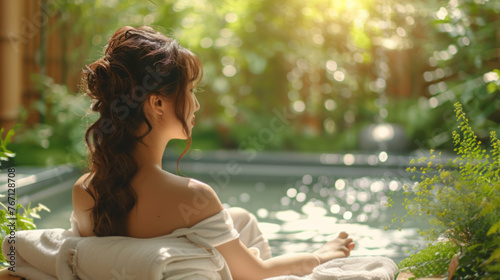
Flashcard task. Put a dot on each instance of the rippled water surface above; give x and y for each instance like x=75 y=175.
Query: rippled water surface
x=302 y=215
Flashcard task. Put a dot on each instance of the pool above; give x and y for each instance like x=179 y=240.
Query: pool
x=301 y=200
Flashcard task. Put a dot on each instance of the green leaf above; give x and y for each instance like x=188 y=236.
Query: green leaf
x=494 y=229
x=35 y=215
x=9 y=153
x=471 y=248
x=494 y=256
x=8 y=137
x=491 y=88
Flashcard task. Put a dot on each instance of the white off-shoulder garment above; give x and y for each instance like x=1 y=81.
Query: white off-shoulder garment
x=186 y=253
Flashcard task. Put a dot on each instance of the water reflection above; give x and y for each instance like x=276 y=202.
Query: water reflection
x=312 y=210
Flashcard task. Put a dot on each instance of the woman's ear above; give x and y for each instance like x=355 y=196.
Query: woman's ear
x=157 y=104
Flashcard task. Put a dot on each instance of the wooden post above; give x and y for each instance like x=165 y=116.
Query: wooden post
x=11 y=50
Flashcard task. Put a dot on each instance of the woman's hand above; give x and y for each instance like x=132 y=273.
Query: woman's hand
x=340 y=247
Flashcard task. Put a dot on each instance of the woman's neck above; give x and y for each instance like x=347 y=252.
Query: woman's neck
x=150 y=153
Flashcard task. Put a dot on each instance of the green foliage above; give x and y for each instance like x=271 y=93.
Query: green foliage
x=13 y=216
x=58 y=137
x=23 y=221
x=332 y=64
x=464 y=61
x=325 y=62
x=5 y=153
x=461 y=199
x=433 y=260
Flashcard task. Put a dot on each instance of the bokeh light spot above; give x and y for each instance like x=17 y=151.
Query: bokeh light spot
x=340 y=184
x=307 y=179
x=338 y=76
x=329 y=125
x=382 y=156
x=229 y=71
x=262 y=213
x=231 y=17
x=347 y=215
x=291 y=192
x=330 y=104
x=433 y=102
x=349 y=159
x=206 y=42
x=244 y=197
x=299 y=106
x=335 y=209
x=301 y=197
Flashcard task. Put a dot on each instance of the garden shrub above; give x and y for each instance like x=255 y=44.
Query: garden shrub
x=433 y=260
x=461 y=201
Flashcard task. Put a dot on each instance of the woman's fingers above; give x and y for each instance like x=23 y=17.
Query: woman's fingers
x=343 y=235
x=347 y=241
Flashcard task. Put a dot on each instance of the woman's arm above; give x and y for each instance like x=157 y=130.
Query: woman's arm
x=244 y=265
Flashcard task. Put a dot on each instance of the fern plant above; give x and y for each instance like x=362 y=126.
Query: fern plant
x=461 y=201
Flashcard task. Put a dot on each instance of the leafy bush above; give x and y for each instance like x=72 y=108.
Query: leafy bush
x=58 y=137
x=463 y=62
x=461 y=201
x=432 y=260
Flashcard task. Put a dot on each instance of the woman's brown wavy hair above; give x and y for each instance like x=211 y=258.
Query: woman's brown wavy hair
x=137 y=62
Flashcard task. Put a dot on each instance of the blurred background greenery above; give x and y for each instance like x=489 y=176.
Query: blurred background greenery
x=336 y=68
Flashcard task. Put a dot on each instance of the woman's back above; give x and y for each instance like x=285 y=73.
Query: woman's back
x=165 y=202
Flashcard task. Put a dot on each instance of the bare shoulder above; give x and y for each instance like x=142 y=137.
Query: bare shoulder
x=199 y=191
x=80 y=188
x=166 y=202
x=195 y=200
x=82 y=203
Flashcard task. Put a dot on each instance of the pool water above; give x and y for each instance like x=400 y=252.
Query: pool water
x=296 y=214
x=300 y=217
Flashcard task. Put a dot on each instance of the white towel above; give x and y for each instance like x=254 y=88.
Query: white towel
x=42 y=254
x=154 y=258
x=352 y=268
x=357 y=268
x=51 y=254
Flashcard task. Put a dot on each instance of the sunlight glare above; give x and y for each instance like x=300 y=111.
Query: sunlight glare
x=287 y=215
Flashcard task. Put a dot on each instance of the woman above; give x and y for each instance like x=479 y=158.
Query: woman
x=143 y=89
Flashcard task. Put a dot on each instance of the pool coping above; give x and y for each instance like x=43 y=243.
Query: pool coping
x=29 y=183
x=241 y=164
x=217 y=165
